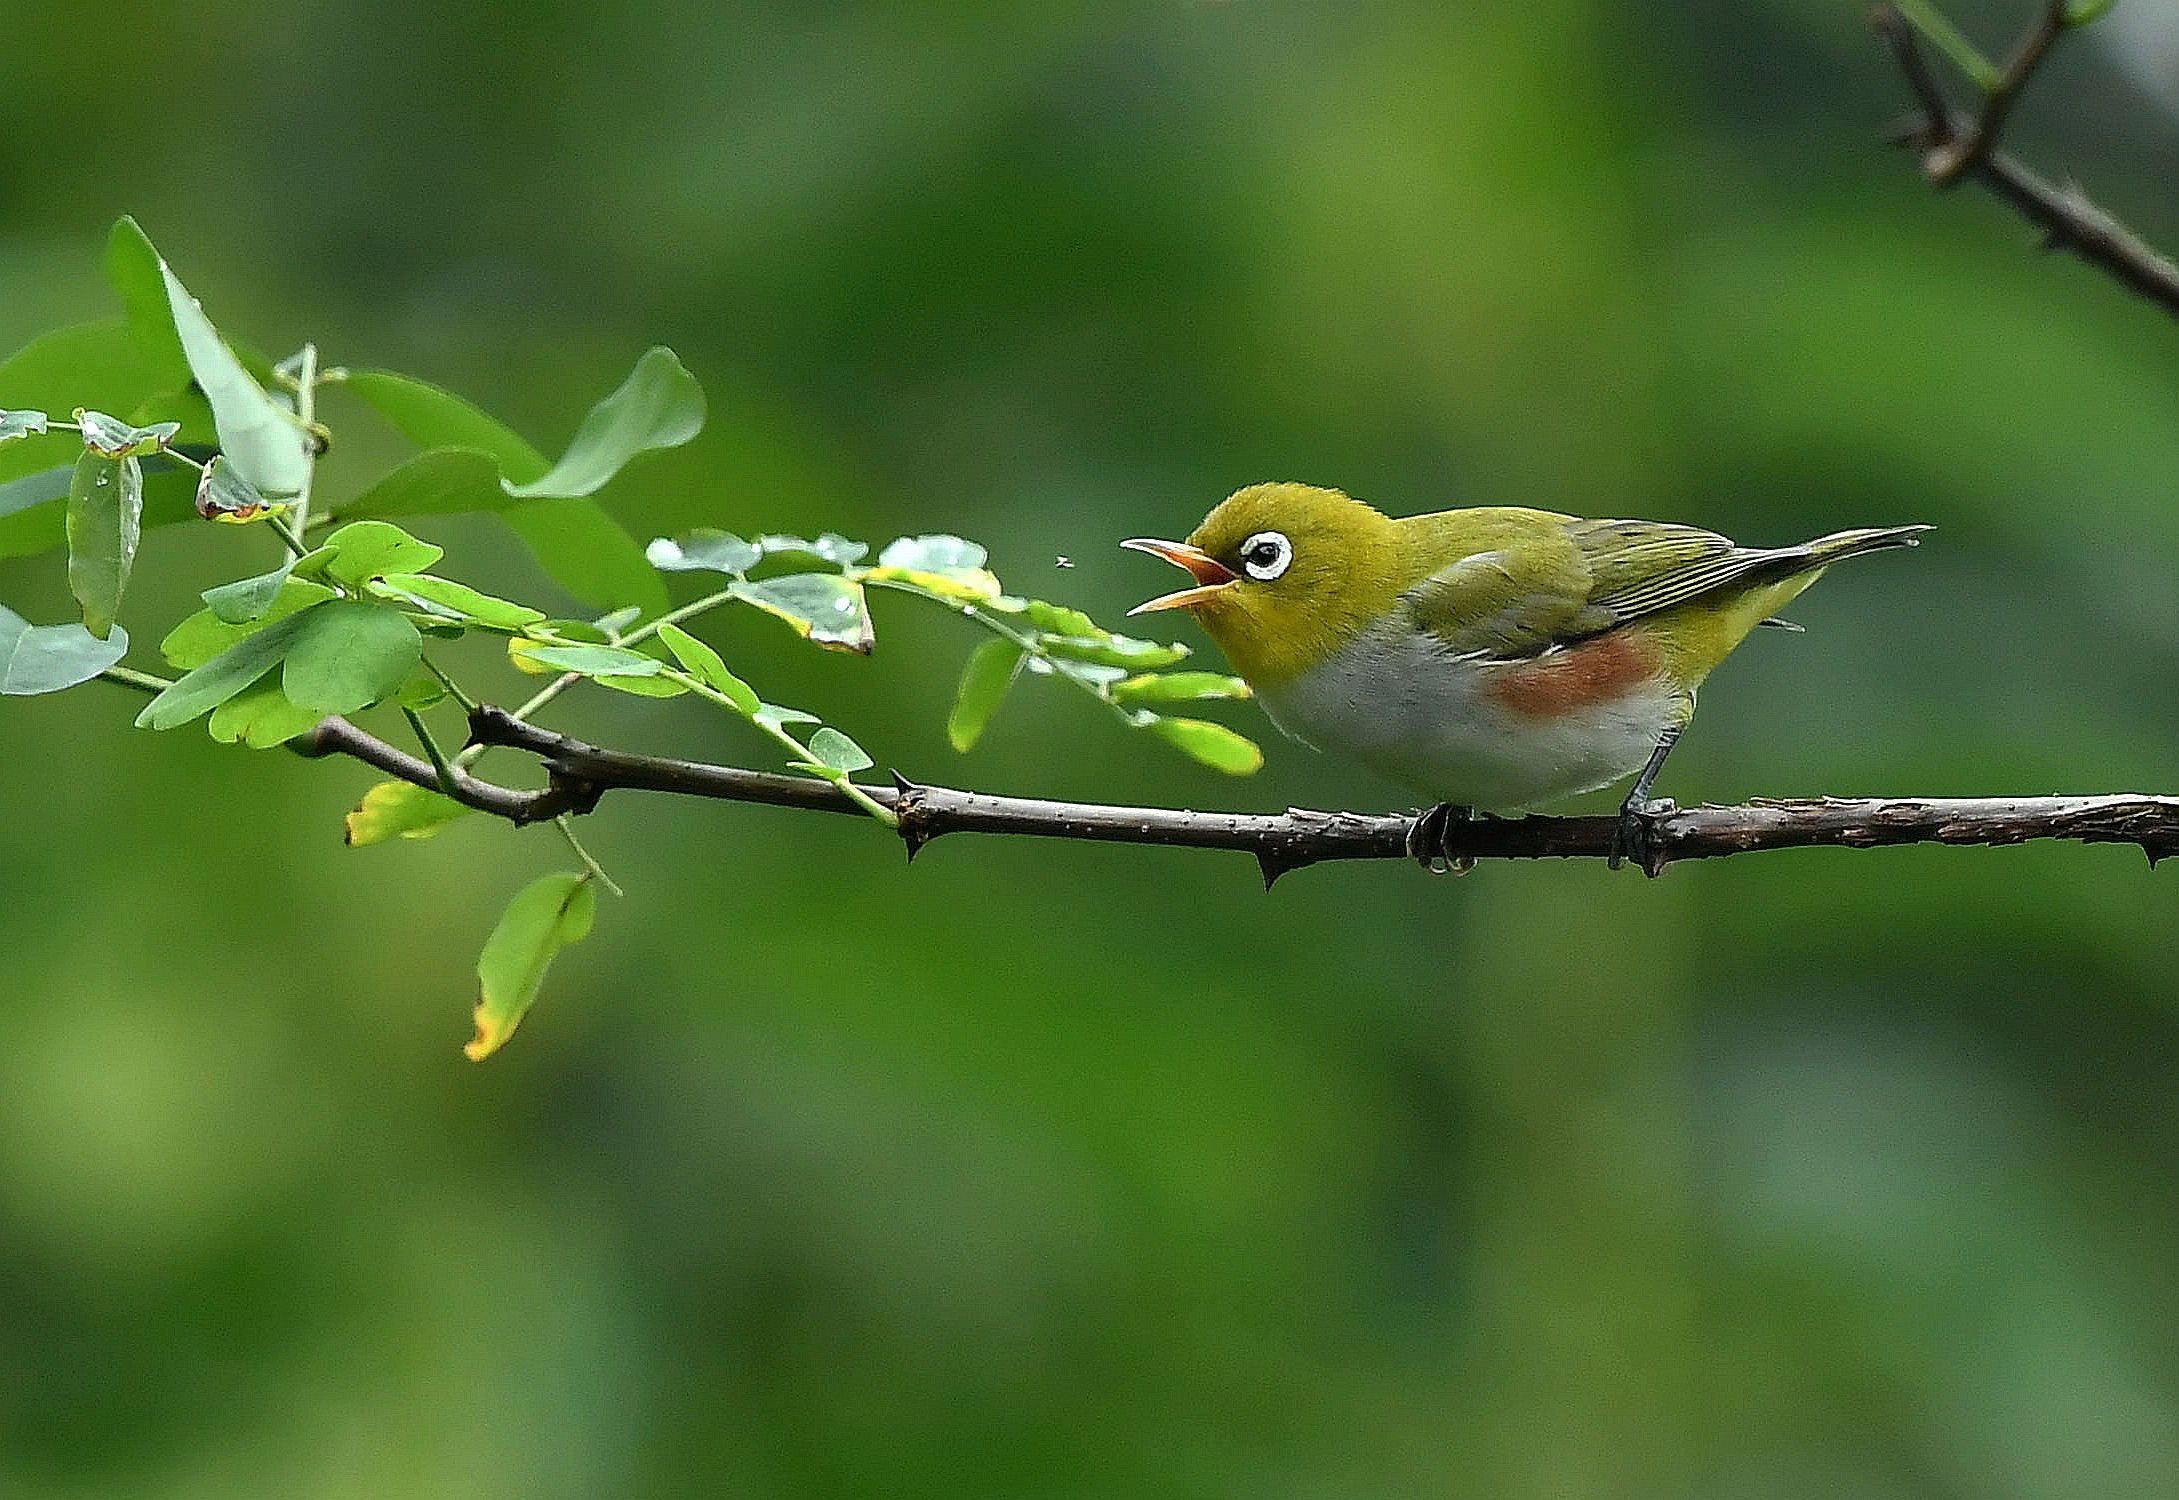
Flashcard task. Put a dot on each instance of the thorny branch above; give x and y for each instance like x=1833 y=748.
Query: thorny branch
x=1952 y=146
x=581 y=773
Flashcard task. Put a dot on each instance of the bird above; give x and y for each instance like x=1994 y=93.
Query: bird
x=1496 y=658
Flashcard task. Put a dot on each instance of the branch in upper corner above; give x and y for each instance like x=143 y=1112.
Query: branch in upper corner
x=1950 y=151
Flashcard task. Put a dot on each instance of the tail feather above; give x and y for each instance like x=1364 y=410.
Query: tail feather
x=1829 y=549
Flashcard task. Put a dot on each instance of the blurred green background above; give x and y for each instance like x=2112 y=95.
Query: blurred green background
x=1050 y=1170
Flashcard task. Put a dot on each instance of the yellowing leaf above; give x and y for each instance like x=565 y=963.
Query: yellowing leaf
x=544 y=917
x=400 y=809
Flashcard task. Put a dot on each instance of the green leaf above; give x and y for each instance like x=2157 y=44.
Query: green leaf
x=110 y=437
x=578 y=544
x=259 y=437
x=825 y=608
x=990 y=671
x=1178 y=687
x=773 y=716
x=400 y=810
x=260 y=716
x=105 y=521
x=706 y=666
x=458 y=599
x=432 y=417
x=352 y=654
x=588 y=553
x=642 y=686
x=15 y=424
x=1214 y=745
x=421 y=691
x=438 y=482
x=134 y=270
x=246 y=599
x=2086 y=12
x=707 y=549
x=544 y=917
x=659 y=405
x=226 y=674
x=224 y=495
x=363 y=550
x=1057 y=619
x=590 y=661
x=205 y=635
x=1112 y=650
x=47 y=658
x=34 y=510
x=85 y=364
x=836 y=752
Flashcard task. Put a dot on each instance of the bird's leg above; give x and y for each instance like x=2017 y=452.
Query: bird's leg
x=1428 y=835
x=1636 y=836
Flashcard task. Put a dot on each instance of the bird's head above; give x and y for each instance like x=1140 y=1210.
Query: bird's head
x=1285 y=574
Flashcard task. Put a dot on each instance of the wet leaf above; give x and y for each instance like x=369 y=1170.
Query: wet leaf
x=105 y=521
x=1178 y=687
x=544 y=917
x=705 y=549
x=15 y=424
x=1214 y=745
x=458 y=599
x=399 y=810
x=933 y=554
x=349 y=655
x=226 y=674
x=260 y=716
x=989 y=672
x=706 y=666
x=830 y=547
x=47 y=658
x=224 y=495
x=825 y=608
x=110 y=437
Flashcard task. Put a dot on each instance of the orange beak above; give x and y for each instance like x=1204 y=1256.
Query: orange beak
x=1211 y=575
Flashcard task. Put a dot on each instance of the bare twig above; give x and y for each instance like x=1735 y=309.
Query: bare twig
x=1950 y=151
x=1280 y=841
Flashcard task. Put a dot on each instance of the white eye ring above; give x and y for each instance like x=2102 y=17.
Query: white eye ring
x=1266 y=555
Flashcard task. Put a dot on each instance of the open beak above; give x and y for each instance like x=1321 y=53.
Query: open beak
x=1211 y=575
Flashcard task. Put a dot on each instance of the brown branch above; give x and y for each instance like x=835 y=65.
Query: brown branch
x=1950 y=151
x=581 y=773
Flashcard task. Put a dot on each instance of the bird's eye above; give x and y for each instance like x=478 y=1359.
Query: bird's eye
x=1265 y=555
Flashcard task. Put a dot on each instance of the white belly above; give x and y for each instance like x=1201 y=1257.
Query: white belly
x=1393 y=702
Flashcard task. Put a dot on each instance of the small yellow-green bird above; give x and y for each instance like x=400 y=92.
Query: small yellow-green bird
x=1498 y=658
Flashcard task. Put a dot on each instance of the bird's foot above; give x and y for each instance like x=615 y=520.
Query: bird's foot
x=1430 y=835
x=1639 y=836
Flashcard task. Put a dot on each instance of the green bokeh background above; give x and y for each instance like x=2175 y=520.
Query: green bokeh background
x=1051 y=1170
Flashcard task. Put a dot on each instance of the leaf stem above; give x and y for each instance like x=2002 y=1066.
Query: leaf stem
x=432 y=752
x=453 y=688
x=143 y=682
x=596 y=871
x=306 y=412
